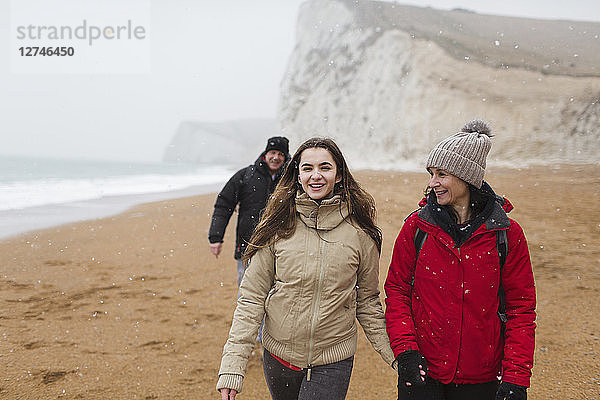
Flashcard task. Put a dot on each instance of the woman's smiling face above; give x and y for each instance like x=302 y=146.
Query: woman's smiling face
x=317 y=173
x=449 y=190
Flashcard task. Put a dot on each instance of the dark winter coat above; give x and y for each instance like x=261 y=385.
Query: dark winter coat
x=450 y=315
x=249 y=188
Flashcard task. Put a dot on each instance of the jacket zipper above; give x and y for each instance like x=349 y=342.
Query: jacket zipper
x=462 y=301
x=311 y=340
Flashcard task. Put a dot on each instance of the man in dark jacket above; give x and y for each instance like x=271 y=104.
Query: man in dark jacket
x=250 y=187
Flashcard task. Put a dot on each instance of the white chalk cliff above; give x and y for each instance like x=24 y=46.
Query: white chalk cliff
x=389 y=81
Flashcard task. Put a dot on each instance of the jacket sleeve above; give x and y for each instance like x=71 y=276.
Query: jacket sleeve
x=519 y=289
x=247 y=318
x=225 y=204
x=398 y=289
x=369 y=311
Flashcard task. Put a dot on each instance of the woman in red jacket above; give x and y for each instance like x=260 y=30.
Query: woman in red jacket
x=460 y=294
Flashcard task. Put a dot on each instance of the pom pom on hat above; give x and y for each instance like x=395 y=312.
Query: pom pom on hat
x=477 y=126
x=464 y=153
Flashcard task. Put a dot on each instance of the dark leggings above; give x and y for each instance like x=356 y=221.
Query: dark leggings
x=435 y=390
x=327 y=382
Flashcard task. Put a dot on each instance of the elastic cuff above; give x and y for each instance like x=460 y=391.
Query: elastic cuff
x=516 y=380
x=400 y=350
x=230 y=381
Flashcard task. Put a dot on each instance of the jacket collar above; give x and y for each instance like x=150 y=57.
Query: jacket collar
x=322 y=216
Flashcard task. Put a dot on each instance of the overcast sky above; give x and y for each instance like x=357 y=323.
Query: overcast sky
x=208 y=61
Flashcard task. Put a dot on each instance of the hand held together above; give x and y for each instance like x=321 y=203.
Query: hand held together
x=412 y=368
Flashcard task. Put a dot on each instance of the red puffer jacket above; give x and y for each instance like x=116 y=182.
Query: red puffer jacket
x=450 y=315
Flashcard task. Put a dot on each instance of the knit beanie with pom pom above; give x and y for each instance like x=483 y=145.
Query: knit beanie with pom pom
x=464 y=153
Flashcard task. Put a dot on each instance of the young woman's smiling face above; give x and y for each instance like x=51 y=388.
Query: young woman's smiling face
x=317 y=173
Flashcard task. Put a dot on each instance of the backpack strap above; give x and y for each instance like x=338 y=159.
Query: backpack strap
x=502 y=245
x=420 y=237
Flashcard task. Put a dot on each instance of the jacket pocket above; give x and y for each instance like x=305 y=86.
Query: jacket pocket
x=279 y=309
x=495 y=344
x=350 y=310
x=272 y=291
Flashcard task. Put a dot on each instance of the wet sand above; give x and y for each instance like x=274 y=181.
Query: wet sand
x=135 y=307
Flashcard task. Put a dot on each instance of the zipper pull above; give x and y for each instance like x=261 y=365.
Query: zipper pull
x=308 y=371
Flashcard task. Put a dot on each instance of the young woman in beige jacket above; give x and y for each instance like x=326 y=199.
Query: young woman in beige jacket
x=313 y=271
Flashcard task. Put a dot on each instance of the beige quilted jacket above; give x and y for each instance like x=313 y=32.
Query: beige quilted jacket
x=311 y=288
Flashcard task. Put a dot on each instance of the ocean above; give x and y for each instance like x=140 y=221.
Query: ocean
x=41 y=192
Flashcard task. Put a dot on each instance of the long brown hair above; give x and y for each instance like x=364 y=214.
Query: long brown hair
x=279 y=218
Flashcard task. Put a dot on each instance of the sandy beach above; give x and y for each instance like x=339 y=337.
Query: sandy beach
x=135 y=307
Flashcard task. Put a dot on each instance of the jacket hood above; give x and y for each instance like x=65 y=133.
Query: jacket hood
x=321 y=216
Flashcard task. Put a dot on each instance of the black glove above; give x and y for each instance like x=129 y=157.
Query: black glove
x=510 y=391
x=409 y=370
